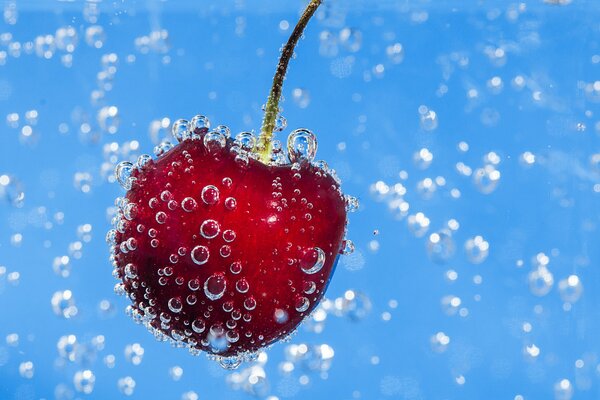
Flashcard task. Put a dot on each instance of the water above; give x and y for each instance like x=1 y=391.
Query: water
x=471 y=136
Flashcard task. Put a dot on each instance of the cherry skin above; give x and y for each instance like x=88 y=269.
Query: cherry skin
x=223 y=253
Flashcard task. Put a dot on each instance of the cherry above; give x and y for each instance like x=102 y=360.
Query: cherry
x=223 y=245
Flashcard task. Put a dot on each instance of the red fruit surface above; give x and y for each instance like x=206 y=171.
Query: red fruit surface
x=226 y=256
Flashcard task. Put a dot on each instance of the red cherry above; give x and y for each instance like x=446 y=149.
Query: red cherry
x=220 y=252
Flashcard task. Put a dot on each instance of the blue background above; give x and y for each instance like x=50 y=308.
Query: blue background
x=218 y=60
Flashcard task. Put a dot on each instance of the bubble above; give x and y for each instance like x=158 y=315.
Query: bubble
x=352 y=203
x=423 y=158
x=63 y=304
x=162 y=148
x=134 y=353
x=236 y=267
x=312 y=261
x=230 y=203
x=200 y=255
x=161 y=217
x=347 y=247
x=62 y=266
x=428 y=118
x=214 y=141
x=250 y=303
x=477 y=249
x=176 y=372
x=301 y=97
x=175 y=305
x=355 y=305
x=26 y=369
x=210 y=229
x=440 y=246
x=199 y=124
x=229 y=236
x=451 y=304
x=108 y=119
x=570 y=289
x=439 y=342
x=11 y=190
x=351 y=39
x=45 y=46
x=563 y=390
x=126 y=385
x=210 y=195
x=84 y=381
x=486 y=179
x=418 y=224
x=179 y=130
x=395 y=52
x=123 y=172
x=242 y=286
x=189 y=204
x=215 y=286
x=190 y=395
x=225 y=251
x=95 y=36
x=301 y=303
x=541 y=281
x=198 y=325
x=301 y=146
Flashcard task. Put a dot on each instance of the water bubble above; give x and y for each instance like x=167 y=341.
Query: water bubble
x=176 y=372
x=230 y=203
x=210 y=195
x=200 y=255
x=313 y=260
x=198 y=325
x=236 y=267
x=395 y=53
x=108 y=119
x=246 y=141
x=301 y=303
x=26 y=369
x=541 y=281
x=175 y=304
x=301 y=97
x=486 y=179
x=242 y=286
x=63 y=304
x=162 y=148
x=428 y=118
x=126 y=385
x=179 y=130
x=62 y=266
x=440 y=246
x=477 y=249
x=225 y=251
x=210 y=229
x=451 y=304
x=215 y=286
x=66 y=38
x=190 y=395
x=229 y=236
x=199 y=124
x=189 y=204
x=11 y=190
x=123 y=172
x=570 y=289
x=134 y=353
x=439 y=342
x=423 y=158
x=44 y=46
x=250 y=303
x=214 y=141
x=418 y=224
x=84 y=381
x=347 y=247
x=301 y=146
x=280 y=123
x=351 y=39
x=95 y=36
x=161 y=217
x=563 y=390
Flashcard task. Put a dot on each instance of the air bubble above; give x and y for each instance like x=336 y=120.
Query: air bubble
x=229 y=236
x=246 y=141
x=200 y=255
x=215 y=286
x=214 y=141
x=180 y=130
x=210 y=195
x=230 y=203
x=477 y=249
x=301 y=304
x=210 y=229
x=428 y=118
x=189 y=204
x=440 y=246
x=250 y=303
x=199 y=124
x=242 y=286
x=123 y=172
x=84 y=381
x=175 y=304
x=312 y=261
x=301 y=146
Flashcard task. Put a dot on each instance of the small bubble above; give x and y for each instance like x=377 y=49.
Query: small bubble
x=215 y=286
x=210 y=195
x=301 y=303
x=440 y=246
x=189 y=204
x=200 y=255
x=84 y=381
x=301 y=146
x=313 y=260
x=126 y=385
x=175 y=304
x=210 y=229
x=477 y=249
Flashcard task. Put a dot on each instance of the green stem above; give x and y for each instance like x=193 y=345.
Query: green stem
x=264 y=145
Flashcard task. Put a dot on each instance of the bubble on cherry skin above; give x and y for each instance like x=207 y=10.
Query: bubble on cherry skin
x=123 y=172
x=161 y=217
x=250 y=303
x=210 y=229
x=242 y=286
x=215 y=286
x=229 y=236
x=230 y=203
x=280 y=316
x=236 y=267
x=301 y=146
x=188 y=204
x=214 y=141
x=200 y=255
x=210 y=195
x=312 y=261
x=175 y=304
x=301 y=304
x=246 y=141
x=198 y=325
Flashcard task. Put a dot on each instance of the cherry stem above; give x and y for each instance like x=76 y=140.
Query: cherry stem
x=265 y=145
